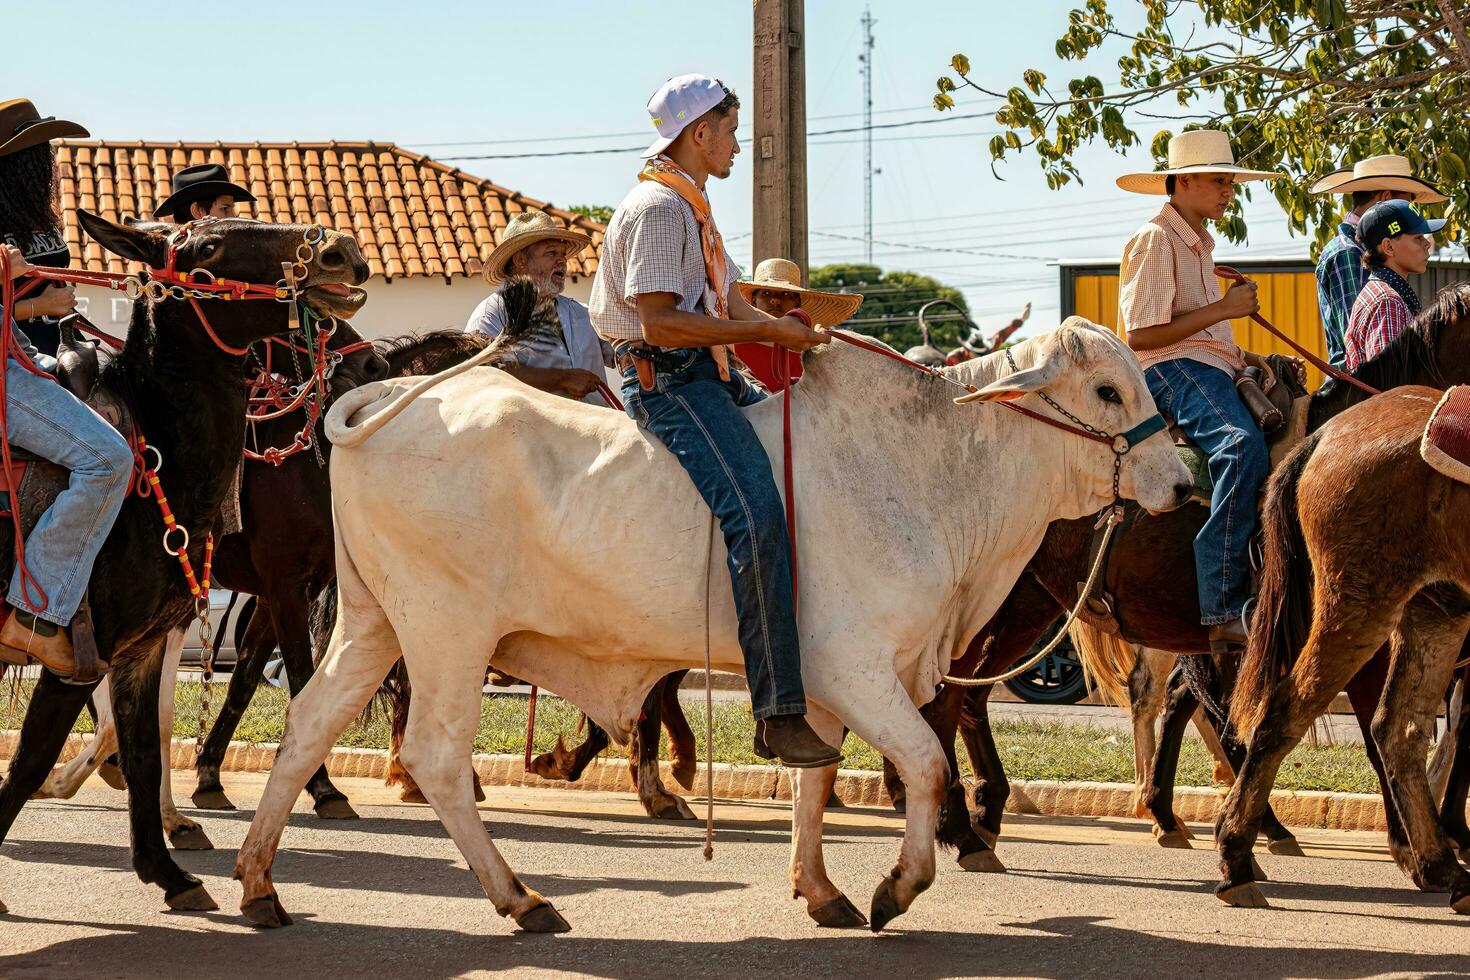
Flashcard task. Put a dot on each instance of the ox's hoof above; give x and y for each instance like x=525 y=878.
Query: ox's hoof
x=266 y=913
x=542 y=918
x=984 y=861
x=837 y=914
x=1257 y=871
x=212 y=799
x=1246 y=896
x=885 y=906
x=1285 y=847
x=192 y=899
x=834 y=802
x=335 y=808
x=684 y=773
x=190 y=837
x=112 y=775
x=412 y=794
x=1177 y=839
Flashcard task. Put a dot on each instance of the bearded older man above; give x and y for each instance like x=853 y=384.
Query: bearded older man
x=565 y=356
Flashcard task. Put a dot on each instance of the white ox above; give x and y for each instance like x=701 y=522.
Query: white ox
x=490 y=520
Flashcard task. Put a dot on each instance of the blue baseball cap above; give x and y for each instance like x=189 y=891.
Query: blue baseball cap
x=1389 y=219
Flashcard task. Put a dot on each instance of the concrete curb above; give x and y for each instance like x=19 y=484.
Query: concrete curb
x=1296 y=809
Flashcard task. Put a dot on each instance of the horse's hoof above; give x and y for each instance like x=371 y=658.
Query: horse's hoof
x=837 y=914
x=1258 y=872
x=1246 y=896
x=985 y=861
x=545 y=767
x=335 y=808
x=212 y=799
x=479 y=792
x=266 y=913
x=885 y=906
x=1285 y=847
x=987 y=835
x=1459 y=906
x=673 y=808
x=1177 y=839
x=190 y=837
x=834 y=802
x=899 y=806
x=543 y=918
x=684 y=775
x=112 y=775
x=412 y=794
x=194 y=899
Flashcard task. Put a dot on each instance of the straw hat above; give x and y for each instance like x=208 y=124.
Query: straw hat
x=1199 y=151
x=525 y=230
x=1388 y=172
x=784 y=275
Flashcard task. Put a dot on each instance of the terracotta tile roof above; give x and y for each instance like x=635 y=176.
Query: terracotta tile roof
x=412 y=215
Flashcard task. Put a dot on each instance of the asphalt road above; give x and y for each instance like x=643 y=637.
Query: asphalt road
x=389 y=896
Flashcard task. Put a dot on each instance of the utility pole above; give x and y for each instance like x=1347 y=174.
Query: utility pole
x=866 y=59
x=779 y=212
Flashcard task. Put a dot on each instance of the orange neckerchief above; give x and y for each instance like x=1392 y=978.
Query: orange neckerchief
x=664 y=171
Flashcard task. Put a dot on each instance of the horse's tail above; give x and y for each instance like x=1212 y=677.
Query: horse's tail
x=387 y=399
x=1107 y=660
x=1283 y=615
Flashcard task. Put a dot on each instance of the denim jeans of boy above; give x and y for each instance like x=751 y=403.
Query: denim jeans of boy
x=1202 y=400
x=697 y=416
x=43 y=417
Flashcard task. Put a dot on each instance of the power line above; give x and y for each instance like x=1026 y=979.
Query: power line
x=921 y=248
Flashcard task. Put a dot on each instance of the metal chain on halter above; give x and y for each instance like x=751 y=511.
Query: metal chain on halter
x=206 y=668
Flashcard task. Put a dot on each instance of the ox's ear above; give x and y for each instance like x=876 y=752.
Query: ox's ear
x=1014 y=386
x=135 y=242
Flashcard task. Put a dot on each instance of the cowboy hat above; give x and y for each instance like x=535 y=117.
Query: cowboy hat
x=1388 y=172
x=1199 y=151
x=203 y=182
x=525 y=230
x=22 y=127
x=784 y=275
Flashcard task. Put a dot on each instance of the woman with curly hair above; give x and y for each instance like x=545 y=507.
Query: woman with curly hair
x=45 y=617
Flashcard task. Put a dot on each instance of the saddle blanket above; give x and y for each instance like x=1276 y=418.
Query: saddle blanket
x=1445 y=445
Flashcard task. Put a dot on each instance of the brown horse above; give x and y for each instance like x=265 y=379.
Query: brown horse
x=1357 y=488
x=1150 y=577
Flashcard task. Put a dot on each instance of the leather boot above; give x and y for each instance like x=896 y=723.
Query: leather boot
x=1228 y=636
x=25 y=637
x=790 y=739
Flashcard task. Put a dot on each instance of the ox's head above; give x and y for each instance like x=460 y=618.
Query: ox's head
x=1091 y=373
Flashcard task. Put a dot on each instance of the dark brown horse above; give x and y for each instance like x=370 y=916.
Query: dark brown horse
x=186 y=398
x=1151 y=579
x=1367 y=550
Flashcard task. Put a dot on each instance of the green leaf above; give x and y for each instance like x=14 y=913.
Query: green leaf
x=960 y=64
x=945 y=83
x=1034 y=80
x=943 y=101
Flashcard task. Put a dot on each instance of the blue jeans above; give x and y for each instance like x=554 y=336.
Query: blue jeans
x=697 y=416
x=1202 y=400
x=46 y=419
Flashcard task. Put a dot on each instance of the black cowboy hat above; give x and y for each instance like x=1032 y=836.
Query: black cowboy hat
x=22 y=127
x=204 y=182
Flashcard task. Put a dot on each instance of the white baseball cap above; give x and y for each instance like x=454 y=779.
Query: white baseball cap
x=679 y=102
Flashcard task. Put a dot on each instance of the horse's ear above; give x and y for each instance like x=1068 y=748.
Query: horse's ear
x=1014 y=386
x=130 y=242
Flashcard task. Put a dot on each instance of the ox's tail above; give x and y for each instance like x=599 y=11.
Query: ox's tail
x=1107 y=660
x=387 y=399
x=1283 y=613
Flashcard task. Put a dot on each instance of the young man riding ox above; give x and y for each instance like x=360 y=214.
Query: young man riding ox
x=1178 y=323
x=666 y=298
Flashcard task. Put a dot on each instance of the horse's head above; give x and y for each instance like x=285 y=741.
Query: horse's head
x=250 y=251
x=1089 y=372
x=361 y=363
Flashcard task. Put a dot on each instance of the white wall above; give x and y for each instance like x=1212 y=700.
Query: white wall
x=393 y=308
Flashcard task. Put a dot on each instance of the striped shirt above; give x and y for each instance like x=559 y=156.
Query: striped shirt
x=652 y=245
x=1168 y=269
x=1379 y=316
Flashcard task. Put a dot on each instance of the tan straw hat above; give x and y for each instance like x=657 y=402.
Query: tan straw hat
x=1199 y=151
x=783 y=275
x=526 y=229
x=1388 y=172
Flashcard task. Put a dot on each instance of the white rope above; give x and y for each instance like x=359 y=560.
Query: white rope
x=1113 y=519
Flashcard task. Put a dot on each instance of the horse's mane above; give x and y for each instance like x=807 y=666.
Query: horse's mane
x=1410 y=358
x=431 y=351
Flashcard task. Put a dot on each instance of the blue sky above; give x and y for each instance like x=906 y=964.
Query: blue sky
x=448 y=78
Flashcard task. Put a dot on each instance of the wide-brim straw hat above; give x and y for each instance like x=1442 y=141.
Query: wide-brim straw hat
x=783 y=275
x=1199 y=151
x=22 y=127
x=1389 y=172
x=525 y=230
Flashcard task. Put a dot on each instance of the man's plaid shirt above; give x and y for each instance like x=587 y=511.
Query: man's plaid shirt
x=1340 y=277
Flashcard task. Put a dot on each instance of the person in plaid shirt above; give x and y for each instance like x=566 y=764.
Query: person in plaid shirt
x=1340 y=270
x=1396 y=245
